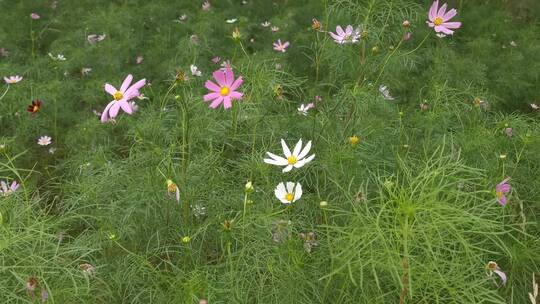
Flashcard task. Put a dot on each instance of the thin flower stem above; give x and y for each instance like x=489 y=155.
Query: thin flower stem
x=388 y=59
x=5 y=92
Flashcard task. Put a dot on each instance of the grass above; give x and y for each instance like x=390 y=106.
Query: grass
x=410 y=212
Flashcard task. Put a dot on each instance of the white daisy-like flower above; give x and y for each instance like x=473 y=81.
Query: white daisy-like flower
x=13 y=79
x=289 y=192
x=58 y=57
x=44 y=140
x=233 y=20
x=296 y=159
x=266 y=24
x=195 y=71
x=274 y=29
x=534 y=106
x=385 y=92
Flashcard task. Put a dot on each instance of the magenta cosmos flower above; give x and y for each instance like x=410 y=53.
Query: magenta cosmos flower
x=501 y=190
x=281 y=47
x=121 y=98
x=439 y=17
x=349 y=35
x=225 y=89
x=6 y=190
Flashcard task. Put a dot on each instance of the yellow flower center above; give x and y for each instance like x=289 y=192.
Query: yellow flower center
x=171 y=186
x=438 y=21
x=353 y=140
x=118 y=95
x=491 y=266
x=224 y=91
x=35 y=109
x=292 y=160
x=289 y=197
x=500 y=194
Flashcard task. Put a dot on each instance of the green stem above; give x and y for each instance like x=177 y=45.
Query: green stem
x=1 y=97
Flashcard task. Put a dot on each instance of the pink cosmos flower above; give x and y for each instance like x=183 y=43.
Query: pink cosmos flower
x=509 y=132
x=225 y=89
x=35 y=16
x=439 y=17
x=216 y=59
x=13 y=79
x=5 y=190
x=121 y=97
x=501 y=189
x=350 y=35
x=281 y=47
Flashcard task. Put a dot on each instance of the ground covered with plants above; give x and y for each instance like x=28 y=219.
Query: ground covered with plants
x=257 y=151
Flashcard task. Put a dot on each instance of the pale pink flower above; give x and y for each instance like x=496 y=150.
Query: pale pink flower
x=501 y=190
x=121 y=98
x=35 y=16
x=6 y=190
x=439 y=17
x=349 y=35
x=303 y=109
x=226 y=65
x=216 y=59
x=13 y=79
x=225 y=89
x=44 y=140
x=281 y=47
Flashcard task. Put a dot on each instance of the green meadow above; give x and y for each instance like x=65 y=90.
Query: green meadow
x=416 y=179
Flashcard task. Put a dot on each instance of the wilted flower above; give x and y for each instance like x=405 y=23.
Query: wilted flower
x=406 y=23
x=316 y=24
x=121 y=97
x=508 y=131
x=296 y=159
x=225 y=89
x=424 y=106
x=266 y=24
x=34 y=107
x=354 y=140
x=227 y=225
x=407 y=36
x=281 y=47
x=350 y=35
x=4 y=52
x=195 y=71
x=173 y=188
x=439 y=17
x=6 y=190
x=35 y=16
x=182 y=18
x=94 y=38
x=206 y=6
x=281 y=231
x=85 y=71
x=501 y=190
x=139 y=59
x=216 y=59
x=134 y=106
x=385 y=92
x=13 y=79
x=492 y=268
x=310 y=240
x=288 y=193
x=44 y=140
x=204 y=301
x=87 y=269
x=194 y=39
x=31 y=285
x=303 y=109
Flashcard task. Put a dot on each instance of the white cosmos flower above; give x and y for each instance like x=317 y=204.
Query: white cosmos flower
x=289 y=193
x=296 y=159
x=231 y=20
x=385 y=92
x=266 y=24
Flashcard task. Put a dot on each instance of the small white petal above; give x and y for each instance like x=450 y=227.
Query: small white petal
x=305 y=151
x=287 y=169
x=297 y=192
x=286 y=150
x=297 y=148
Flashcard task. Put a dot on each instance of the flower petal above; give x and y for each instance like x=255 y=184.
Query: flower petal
x=212 y=86
x=216 y=102
x=219 y=75
x=211 y=96
x=285 y=148
x=110 y=89
x=126 y=83
x=297 y=192
x=306 y=149
x=449 y=15
x=452 y=25
x=105 y=114
x=237 y=83
x=433 y=10
x=227 y=104
x=297 y=148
